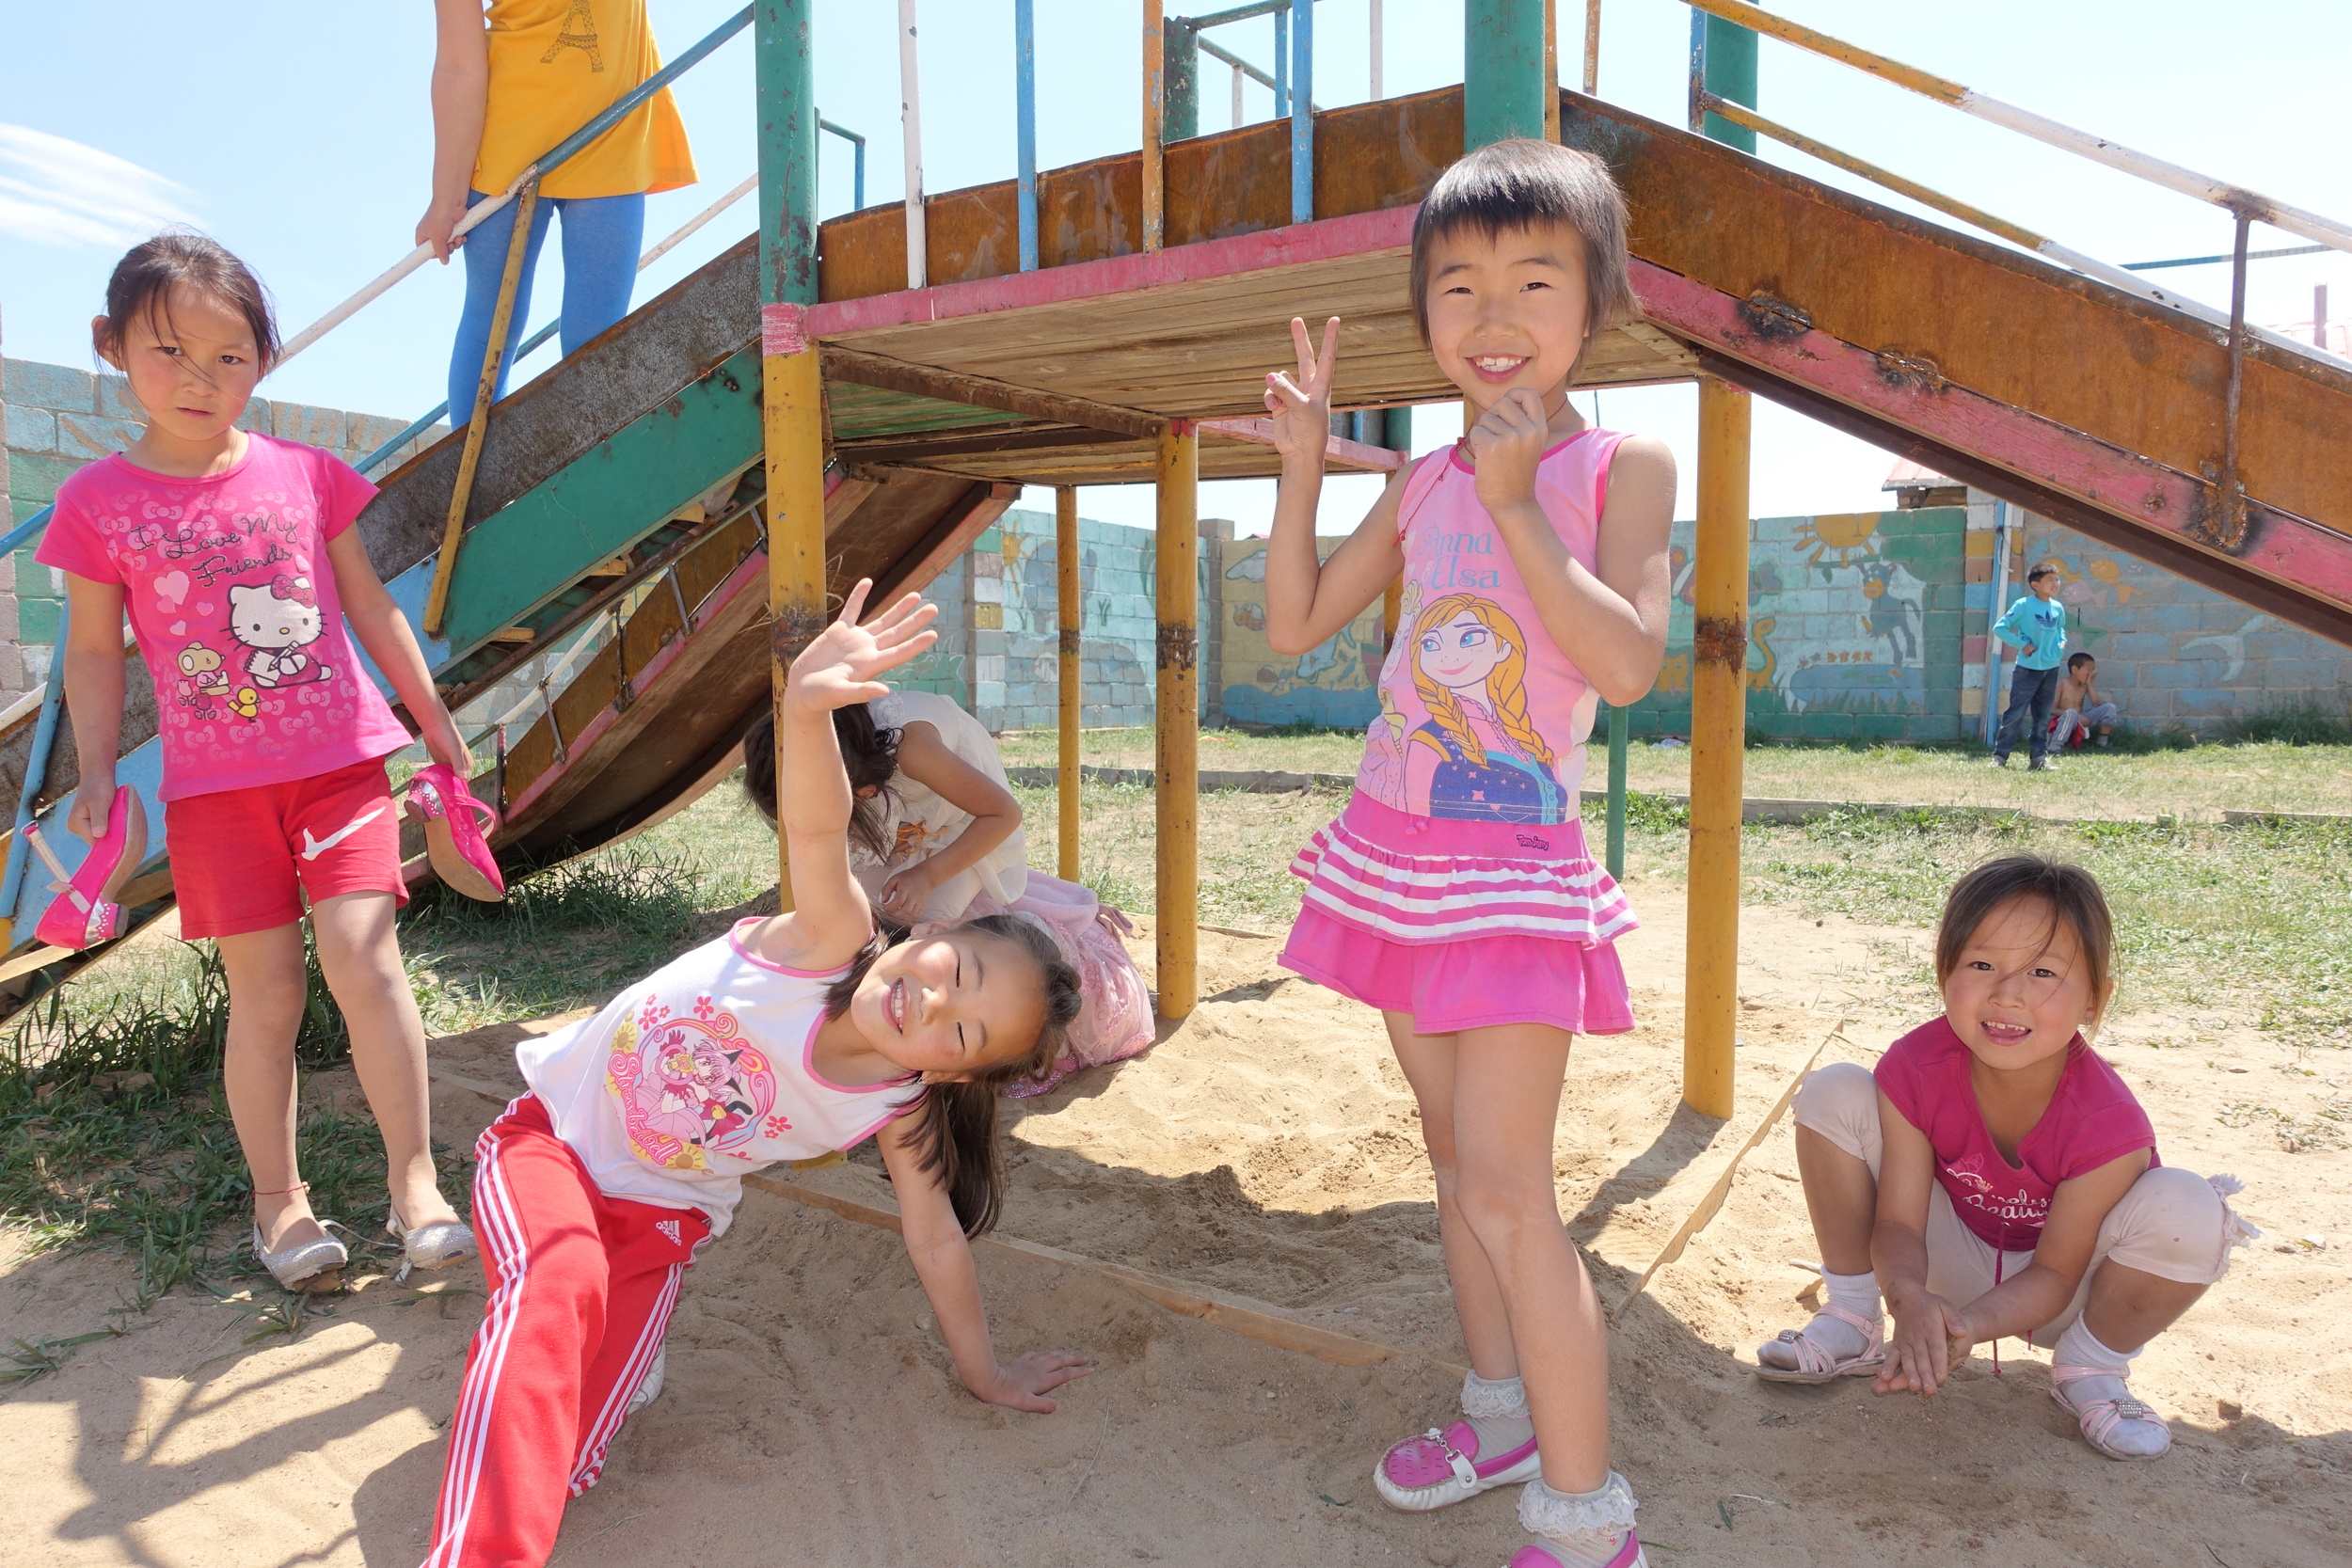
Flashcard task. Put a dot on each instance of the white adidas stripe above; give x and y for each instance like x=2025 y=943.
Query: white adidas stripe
x=589 y=1462
x=502 y=1235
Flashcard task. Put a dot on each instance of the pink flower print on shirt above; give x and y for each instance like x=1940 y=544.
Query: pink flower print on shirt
x=704 y=1010
x=777 y=1127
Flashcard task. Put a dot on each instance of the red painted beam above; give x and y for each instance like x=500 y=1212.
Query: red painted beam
x=1352 y=454
x=1910 y=394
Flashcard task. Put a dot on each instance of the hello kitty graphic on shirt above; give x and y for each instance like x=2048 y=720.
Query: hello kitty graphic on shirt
x=232 y=594
x=276 y=621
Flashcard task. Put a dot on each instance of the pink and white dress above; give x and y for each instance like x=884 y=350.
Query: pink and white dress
x=1456 y=885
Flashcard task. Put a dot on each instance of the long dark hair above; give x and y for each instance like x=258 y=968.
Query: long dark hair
x=870 y=754
x=2070 y=894
x=143 y=280
x=957 y=1136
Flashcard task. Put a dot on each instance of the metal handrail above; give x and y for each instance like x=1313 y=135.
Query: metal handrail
x=2236 y=199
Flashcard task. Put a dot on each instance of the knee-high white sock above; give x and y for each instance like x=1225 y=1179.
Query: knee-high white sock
x=1496 y=1408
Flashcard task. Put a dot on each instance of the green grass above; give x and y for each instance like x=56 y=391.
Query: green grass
x=2288 y=761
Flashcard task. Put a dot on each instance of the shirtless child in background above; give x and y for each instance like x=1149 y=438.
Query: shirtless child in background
x=2079 y=703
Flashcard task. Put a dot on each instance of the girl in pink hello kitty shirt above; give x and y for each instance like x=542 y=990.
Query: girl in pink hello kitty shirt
x=234 y=556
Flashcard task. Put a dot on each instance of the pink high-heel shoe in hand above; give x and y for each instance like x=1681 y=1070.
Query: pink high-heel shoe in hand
x=456 y=823
x=84 y=913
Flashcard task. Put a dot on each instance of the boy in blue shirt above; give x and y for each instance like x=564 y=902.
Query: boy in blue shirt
x=2036 y=626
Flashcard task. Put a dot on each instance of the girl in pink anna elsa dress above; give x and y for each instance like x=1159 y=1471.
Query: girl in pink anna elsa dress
x=1454 y=893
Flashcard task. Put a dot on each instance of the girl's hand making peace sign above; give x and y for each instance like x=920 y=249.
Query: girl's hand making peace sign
x=1302 y=407
x=838 y=667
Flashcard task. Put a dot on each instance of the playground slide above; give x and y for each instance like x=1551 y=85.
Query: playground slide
x=625 y=482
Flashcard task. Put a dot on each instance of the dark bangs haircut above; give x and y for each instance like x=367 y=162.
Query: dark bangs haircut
x=143 y=280
x=1517 y=185
x=2070 y=894
x=956 y=1138
x=870 y=754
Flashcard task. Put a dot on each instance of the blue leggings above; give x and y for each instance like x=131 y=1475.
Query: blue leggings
x=602 y=236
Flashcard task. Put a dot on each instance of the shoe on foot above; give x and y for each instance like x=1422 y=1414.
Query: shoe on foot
x=1444 y=1467
x=453 y=818
x=2112 y=1421
x=2000 y=759
x=431 y=1246
x=2038 y=765
x=650 y=1389
x=1846 y=1345
x=306 y=1267
x=84 y=913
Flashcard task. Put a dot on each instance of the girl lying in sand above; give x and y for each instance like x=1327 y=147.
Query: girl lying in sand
x=936 y=838
x=786 y=1039
x=2001 y=1178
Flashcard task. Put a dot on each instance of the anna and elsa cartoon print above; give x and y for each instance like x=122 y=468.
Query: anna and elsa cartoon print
x=1477 y=756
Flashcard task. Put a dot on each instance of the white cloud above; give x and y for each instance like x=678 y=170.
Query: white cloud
x=55 y=191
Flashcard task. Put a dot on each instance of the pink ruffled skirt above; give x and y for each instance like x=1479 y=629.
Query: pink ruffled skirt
x=1462 y=925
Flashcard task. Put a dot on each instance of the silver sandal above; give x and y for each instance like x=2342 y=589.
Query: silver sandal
x=311 y=1266
x=431 y=1246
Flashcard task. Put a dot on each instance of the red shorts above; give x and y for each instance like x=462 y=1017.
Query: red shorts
x=242 y=860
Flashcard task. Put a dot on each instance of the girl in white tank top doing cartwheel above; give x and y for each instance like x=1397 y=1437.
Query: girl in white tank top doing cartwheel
x=783 y=1039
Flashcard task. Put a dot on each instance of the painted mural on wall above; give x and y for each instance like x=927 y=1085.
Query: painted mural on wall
x=1853 y=626
x=1334 y=685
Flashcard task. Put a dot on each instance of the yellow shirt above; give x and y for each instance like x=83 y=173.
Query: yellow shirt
x=554 y=66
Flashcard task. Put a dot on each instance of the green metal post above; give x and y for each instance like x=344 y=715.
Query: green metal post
x=783 y=78
x=1502 y=71
x=1618 y=726
x=1181 y=65
x=1730 y=73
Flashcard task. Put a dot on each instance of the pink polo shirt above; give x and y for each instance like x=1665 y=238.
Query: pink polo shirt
x=233 y=602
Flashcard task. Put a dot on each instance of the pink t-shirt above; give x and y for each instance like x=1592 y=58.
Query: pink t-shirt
x=2093 y=1119
x=232 y=600
x=1482 y=719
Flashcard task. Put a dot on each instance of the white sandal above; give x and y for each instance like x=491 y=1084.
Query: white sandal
x=1816 y=1365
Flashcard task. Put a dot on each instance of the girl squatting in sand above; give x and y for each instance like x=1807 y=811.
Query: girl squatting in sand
x=1994 y=1177
x=783 y=1039
x=1456 y=893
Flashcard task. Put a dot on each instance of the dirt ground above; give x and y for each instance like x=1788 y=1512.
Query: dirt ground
x=1265 y=1147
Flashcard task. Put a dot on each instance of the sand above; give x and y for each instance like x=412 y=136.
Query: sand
x=1266 y=1147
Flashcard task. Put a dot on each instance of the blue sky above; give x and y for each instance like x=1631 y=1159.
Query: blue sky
x=299 y=135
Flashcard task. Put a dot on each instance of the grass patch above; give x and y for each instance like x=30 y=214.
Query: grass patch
x=2327 y=1127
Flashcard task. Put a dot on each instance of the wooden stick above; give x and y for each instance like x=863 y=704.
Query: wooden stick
x=1154 y=124
x=1255 y=1320
x=1721 y=1188
x=981 y=391
x=445 y=565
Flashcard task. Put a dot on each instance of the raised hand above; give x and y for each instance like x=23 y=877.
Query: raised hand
x=1302 y=407
x=1023 y=1383
x=1505 y=445
x=838 y=667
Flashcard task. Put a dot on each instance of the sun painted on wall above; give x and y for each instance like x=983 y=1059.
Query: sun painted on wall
x=1845 y=536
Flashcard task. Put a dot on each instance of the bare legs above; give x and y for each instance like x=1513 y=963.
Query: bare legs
x=1489 y=1101
x=360 y=955
x=2130 y=1307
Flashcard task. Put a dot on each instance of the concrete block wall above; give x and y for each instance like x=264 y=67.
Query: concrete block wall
x=58 y=418
x=2174 y=654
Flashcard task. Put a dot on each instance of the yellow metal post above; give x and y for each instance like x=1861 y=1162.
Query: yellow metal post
x=792 y=414
x=1718 y=737
x=470 y=457
x=1177 y=563
x=1072 y=691
x=1155 y=125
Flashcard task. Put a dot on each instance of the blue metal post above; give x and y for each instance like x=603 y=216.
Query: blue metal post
x=36 y=773
x=1302 y=86
x=1282 y=62
x=1618 y=740
x=1025 y=98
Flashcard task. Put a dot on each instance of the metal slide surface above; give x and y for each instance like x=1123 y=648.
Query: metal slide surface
x=625 y=482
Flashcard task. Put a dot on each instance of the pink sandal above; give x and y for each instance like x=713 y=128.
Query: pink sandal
x=1816 y=1365
x=2101 y=1419
x=454 y=837
x=1440 y=1468
x=84 y=913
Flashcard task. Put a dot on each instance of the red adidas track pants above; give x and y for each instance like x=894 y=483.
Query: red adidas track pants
x=580 y=1288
